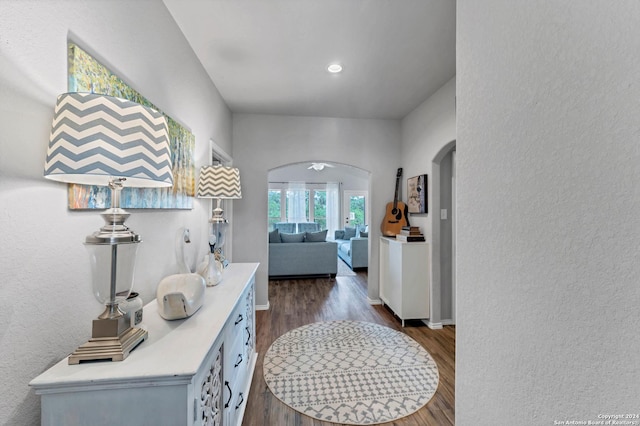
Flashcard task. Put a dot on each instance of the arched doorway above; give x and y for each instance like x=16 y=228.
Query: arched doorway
x=443 y=237
x=317 y=184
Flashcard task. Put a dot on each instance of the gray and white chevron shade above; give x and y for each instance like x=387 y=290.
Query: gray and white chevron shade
x=219 y=182
x=96 y=137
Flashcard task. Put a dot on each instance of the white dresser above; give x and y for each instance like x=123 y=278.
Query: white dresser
x=404 y=278
x=195 y=371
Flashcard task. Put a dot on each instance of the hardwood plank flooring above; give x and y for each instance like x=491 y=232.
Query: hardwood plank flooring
x=297 y=302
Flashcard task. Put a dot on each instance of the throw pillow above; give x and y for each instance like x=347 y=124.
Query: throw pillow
x=292 y=238
x=274 y=236
x=339 y=235
x=315 y=237
x=349 y=233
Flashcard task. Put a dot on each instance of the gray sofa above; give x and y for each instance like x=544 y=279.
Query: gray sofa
x=291 y=257
x=292 y=227
x=353 y=247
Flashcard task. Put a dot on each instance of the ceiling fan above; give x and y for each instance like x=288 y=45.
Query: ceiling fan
x=319 y=166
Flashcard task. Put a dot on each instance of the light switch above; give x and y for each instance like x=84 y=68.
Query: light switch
x=443 y=214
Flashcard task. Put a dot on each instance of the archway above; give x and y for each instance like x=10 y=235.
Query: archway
x=350 y=179
x=443 y=242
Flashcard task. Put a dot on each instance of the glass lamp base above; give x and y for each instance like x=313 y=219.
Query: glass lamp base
x=109 y=348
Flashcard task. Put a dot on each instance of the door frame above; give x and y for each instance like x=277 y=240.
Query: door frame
x=454 y=216
x=435 y=320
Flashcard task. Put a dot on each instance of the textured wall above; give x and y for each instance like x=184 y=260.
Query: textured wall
x=425 y=132
x=548 y=261
x=262 y=142
x=46 y=301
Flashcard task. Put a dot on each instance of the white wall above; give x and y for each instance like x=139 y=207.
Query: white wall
x=425 y=132
x=46 y=301
x=263 y=142
x=548 y=154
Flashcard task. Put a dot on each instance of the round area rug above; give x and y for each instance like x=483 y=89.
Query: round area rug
x=350 y=372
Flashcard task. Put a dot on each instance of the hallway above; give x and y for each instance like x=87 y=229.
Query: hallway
x=298 y=302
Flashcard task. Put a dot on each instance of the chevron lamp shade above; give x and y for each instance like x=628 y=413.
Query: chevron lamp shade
x=95 y=138
x=219 y=182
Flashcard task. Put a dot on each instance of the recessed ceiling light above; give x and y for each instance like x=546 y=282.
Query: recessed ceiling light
x=334 y=68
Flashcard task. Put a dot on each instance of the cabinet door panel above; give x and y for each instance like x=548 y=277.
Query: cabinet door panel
x=209 y=391
x=250 y=326
x=395 y=277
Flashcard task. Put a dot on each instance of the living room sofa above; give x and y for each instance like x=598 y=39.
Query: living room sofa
x=292 y=227
x=302 y=254
x=353 y=247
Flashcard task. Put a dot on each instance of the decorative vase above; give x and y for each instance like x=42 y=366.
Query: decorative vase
x=214 y=271
x=203 y=267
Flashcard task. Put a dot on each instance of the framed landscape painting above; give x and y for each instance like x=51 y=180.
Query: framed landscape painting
x=86 y=74
x=417 y=194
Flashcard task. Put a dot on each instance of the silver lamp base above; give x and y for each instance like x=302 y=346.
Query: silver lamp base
x=103 y=346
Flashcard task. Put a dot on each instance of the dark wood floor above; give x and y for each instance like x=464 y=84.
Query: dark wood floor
x=294 y=303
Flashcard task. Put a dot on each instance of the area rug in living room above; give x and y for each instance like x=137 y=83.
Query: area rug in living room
x=344 y=270
x=350 y=372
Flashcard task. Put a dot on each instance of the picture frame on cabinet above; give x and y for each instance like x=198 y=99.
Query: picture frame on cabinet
x=417 y=194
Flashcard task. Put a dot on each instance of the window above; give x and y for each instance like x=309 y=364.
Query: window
x=275 y=207
x=320 y=208
x=297 y=202
x=298 y=205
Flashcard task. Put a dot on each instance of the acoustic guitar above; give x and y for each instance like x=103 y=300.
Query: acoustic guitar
x=396 y=215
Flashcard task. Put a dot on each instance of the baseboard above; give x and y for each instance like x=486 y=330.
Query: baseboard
x=448 y=322
x=374 y=301
x=433 y=325
x=262 y=307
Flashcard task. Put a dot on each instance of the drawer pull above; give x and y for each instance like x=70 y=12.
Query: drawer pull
x=241 y=400
x=239 y=320
x=239 y=361
x=226 y=383
x=248 y=336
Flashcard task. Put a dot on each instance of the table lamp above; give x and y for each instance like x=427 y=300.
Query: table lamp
x=219 y=182
x=102 y=140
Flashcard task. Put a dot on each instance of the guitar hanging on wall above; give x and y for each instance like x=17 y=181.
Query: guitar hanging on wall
x=396 y=215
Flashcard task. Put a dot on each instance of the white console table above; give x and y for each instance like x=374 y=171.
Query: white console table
x=195 y=371
x=404 y=278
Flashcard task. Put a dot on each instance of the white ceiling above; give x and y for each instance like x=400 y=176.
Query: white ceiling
x=270 y=56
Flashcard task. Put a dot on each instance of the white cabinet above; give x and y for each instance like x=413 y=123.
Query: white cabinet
x=195 y=371
x=239 y=337
x=404 y=278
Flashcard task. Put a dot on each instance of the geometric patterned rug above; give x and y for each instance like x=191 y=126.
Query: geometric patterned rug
x=350 y=372
x=344 y=270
